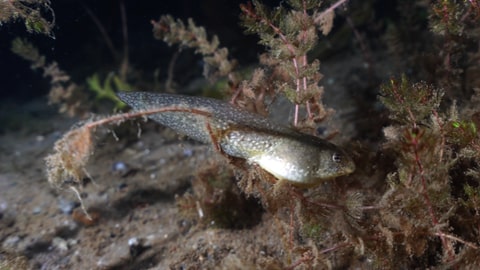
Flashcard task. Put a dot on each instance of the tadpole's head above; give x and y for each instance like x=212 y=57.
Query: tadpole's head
x=334 y=162
x=307 y=161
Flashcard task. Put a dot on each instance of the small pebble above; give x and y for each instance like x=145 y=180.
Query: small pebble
x=188 y=152
x=60 y=244
x=36 y=210
x=3 y=206
x=66 y=206
x=120 y=167
x=136 y=246
x=133 y=241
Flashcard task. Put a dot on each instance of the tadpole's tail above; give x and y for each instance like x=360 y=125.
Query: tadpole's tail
x=221 y=115
x=186 y=121
x=142 y=100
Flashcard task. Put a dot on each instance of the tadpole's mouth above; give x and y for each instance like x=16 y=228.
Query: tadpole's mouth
x=350 y=168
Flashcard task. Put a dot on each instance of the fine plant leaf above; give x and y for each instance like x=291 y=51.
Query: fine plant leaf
x=410 y=102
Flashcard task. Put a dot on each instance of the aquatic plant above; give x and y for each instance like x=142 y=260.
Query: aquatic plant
x=32 y=12
x=420 y=187
x=106 y=90
x=63 y=92
x=215 y=58
x=72 y=98
x=290 y=32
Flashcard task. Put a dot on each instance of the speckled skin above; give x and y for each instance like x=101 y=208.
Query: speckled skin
x=287 y=154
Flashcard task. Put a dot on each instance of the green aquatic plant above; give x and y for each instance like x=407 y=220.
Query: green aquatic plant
x=32 y=12
x=456 y=25
x=423 y=160
x=422 y=200
x=410 y=103
x=290 y=31
x=107 y=89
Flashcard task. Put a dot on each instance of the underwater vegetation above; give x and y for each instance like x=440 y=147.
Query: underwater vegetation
x=414 y=198
x=37 y=15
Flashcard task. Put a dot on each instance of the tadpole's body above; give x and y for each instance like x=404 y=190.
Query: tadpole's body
x=285 y=153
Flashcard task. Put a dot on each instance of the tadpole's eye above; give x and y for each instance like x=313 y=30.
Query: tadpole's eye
x=337 y=157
